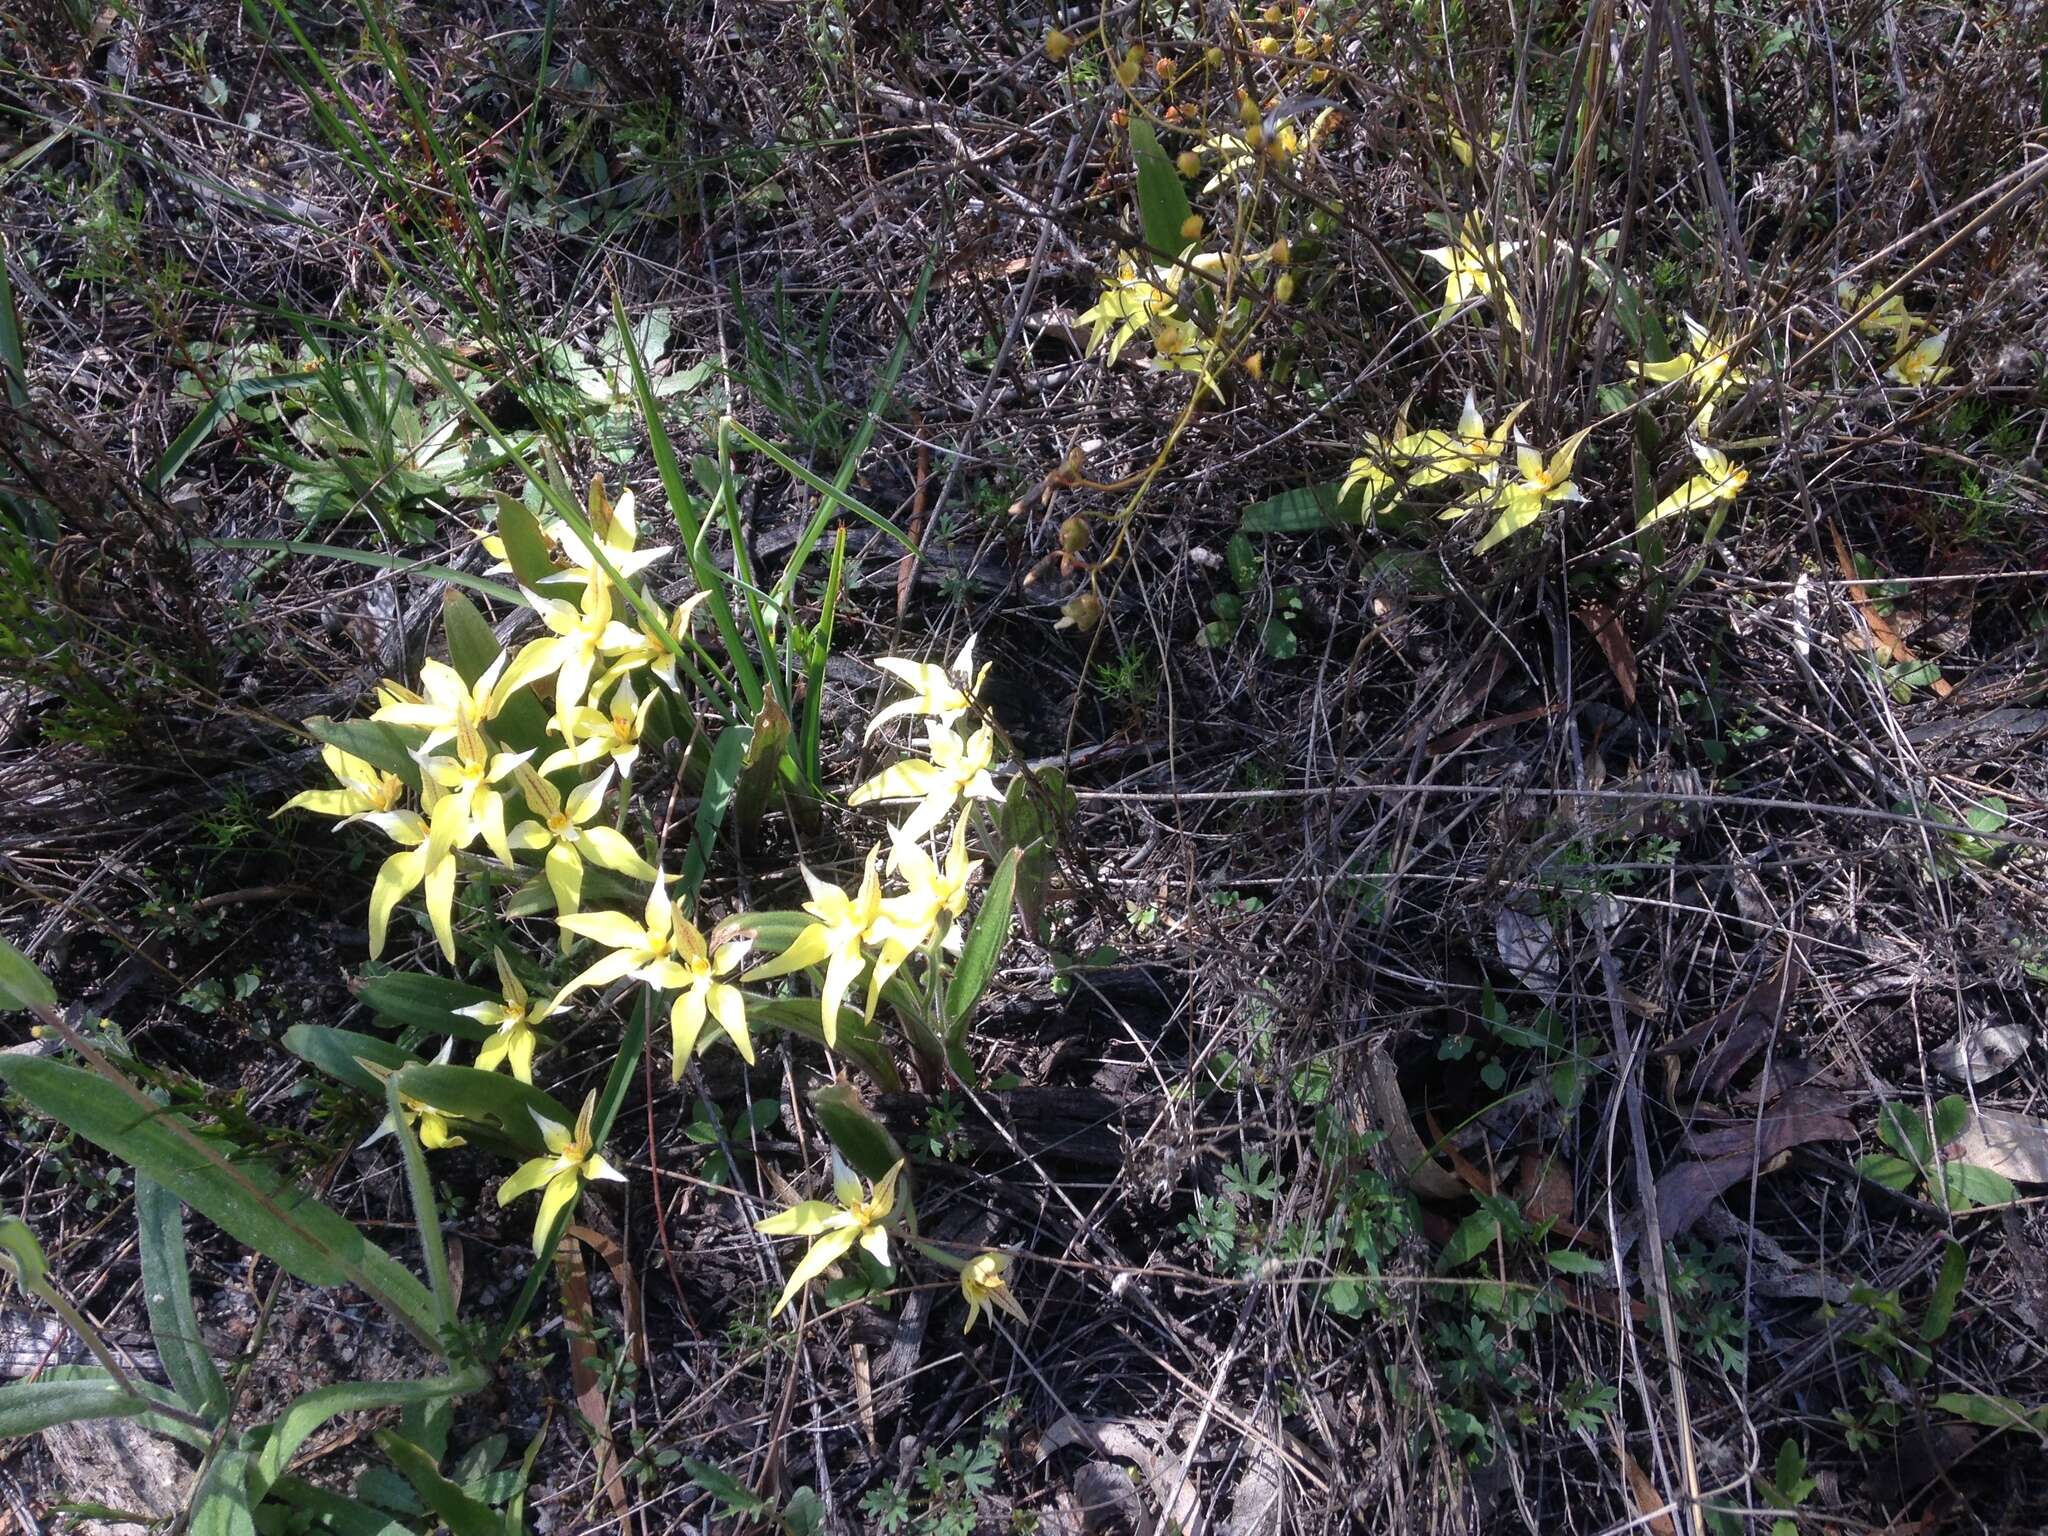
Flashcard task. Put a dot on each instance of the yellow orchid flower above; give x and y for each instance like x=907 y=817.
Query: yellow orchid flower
x=835 y=1230
x=589 y=733
x=1542 y=482
x=1705 y=364
x=936 y=897
x=366 y=790
x=1920 y=365
x=841 y=925
x=427 y=1122
x=939 y=693
x=444 y=701
x=1719 y=480
x=423 y=859
x=569 y=1163
x=955 y=769
x=572 y=835
x=636 y=949
x=1891 y=318
x=511 y=1021
x=698 y=976
x=462 y=794
x=579 y=636
x=1377 y=468
x=1130 y=303
x=617 y=534
x=934 y=893
x=651 y=651
x=1550 y=479
x=984 y=1284
x=1181 y=347
x=1474 y=267
x=1480 y=448
x=401 y=873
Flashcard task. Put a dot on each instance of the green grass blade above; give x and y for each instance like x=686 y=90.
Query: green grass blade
x=849 y=466
x=710 y=580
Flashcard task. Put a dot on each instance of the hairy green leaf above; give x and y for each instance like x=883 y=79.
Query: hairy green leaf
x=167 y=1294
x=246 y=1198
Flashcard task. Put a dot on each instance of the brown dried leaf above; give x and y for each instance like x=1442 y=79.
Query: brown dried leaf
x=1684 y=1193
x=1890 y=648
x=1651 y=1505
x=1741 y=1028
x=580 y=1325
x=1604 y=625
x=1811 y=1113
x=1545 y=1188
x=1424 y=1174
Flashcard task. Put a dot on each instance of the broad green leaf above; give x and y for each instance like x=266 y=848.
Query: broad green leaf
x=526 y=548
x=1988 y=815
x=167 y=1294
x=804 y=1514
x=29 y=1406
x=1900 y=1127
x=462 y=1514
x=1163 y=207
x=21 y=984
x=1568 y=1261
x=1030 y=819
x=1891 y=1172
x=384 y=746
x=340 y=1053
x=21 y=1256
x=1951 y=1119
x=853 y=1128
x=424 y=1002
x=1476 y=1233
x=472 y=647
x=221 y=1505
x=760 y=770
x=724 y=1487
x=248 y=1199
x=328 y=1511
x=773 y=931
x=1992 y=1412
x=1941 y=1304
x=721 y=782
x=490 y=1096
x=983 y=947
x=310 y=1410
x=162 y=1413
x=1968 y=1186
x=1303 y=510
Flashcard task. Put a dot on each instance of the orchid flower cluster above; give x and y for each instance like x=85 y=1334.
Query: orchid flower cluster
x=1475 y=455
x=873 y=932
x=1143 y=301
x=523 y=765
x=865 y=930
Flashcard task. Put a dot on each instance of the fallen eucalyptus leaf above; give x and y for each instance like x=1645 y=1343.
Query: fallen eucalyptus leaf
x=1980 y=1054
x=1528 y=947
x=2015 y=1146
